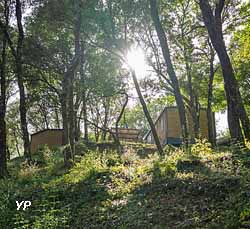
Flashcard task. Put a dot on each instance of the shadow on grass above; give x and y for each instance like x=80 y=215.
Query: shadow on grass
x=165 y=202
x=62 y=205
x=169 y=202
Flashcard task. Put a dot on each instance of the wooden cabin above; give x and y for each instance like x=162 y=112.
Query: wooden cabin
x=49 y=137
x=127 y=134
x=169 y=129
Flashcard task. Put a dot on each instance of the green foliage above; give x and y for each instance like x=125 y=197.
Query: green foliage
x=129 y=156
x=80 y=148
x=108 y=189
x=136 y=188
x=247 y=144
x=43 y=155
x=245 y=217
x=241 y=59
x=201 y=147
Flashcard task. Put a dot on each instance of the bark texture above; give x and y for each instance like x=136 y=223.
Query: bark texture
x=3 y=142
x=170 y=69
x=210 y=118
x=84 y=93
x=67 y=95
x=117 y=140
x=236 y=110
x=147 y=114
x=20 y=82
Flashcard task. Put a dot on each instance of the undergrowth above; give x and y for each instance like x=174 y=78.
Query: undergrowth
x=200 y=189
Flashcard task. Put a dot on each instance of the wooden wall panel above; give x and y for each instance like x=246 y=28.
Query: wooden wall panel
x=168 y=125
x=51 y=138
x=173 y=123
x=203 y=124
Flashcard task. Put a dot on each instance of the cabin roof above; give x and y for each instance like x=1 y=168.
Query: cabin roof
x=41 y=131
x=123 y=128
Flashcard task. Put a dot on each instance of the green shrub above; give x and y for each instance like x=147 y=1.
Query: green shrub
x=7 y=200
x=201 y=147
x=245 y=217
x=164 y=168
x=248 y=145
x=169 y=149
x=80 y=148
x=129 y=156
x=42 y=155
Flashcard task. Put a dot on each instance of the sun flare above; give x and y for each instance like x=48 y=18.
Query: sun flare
x=136 y=60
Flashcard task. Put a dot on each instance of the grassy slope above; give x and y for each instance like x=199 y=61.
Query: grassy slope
x=110 y=190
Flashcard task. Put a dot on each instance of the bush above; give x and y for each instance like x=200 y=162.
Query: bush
x=42 y=155
x=29 y=172
x=248 y=145
x=168 y=149
x=129 y=156
x=201 y=147
x=245 y=217
x=80 y=148
x=164 y=168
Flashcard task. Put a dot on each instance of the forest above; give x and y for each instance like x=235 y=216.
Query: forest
x=124 y=113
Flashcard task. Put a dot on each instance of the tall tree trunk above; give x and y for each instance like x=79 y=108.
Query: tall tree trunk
x=19 y=74
x=67 y=98
x=84 y=94
x=85 y=117
x=193 y=98
x=196 y=117
x=117 y=141
x=78 y=126
x=71 y=118
x=147 y=114
x=17 y=53
x=65 y=121
x=16 y=142
x=210 y=121
x=71 y=111
x=76 y=123
x=64 y=108
x=3 y=140
x=170 y=69
x=57 y=119
x=106 y=113
x=236 y=110
x=8 y=152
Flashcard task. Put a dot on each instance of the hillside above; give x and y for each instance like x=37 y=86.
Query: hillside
x=110 y=190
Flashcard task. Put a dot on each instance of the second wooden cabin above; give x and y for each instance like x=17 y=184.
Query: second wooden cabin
x=168 y=127
x=49 y=137
x=127 y=134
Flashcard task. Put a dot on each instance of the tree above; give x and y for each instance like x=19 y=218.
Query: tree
x=67 y=97
x=170 y=69
x=121 y=39
x=84 y=93
x=20 y=78
x=210 y=122
x=240 y=54
x=3 y=134
x=55 y=56
x=17 y=53
x=146 y=113
x=236 y=110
